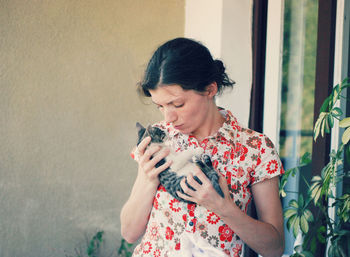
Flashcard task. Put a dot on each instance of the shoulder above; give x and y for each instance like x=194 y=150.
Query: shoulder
x=255 y=139
x=244 y=135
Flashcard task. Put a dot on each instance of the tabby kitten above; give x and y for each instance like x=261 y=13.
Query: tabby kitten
x=183 y=163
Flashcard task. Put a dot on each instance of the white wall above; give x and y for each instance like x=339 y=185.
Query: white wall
x=224 y=26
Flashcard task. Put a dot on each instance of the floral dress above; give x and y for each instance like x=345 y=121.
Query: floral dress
x=243 y=156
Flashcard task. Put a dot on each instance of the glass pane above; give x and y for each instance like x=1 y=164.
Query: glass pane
x=298 y=86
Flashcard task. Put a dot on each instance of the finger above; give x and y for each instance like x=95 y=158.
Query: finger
x=149 y=152
x=186 y=189
x=163 y=167
x=185 y=197
x=143 y=145
x=224 y=186
x=193 y=182
x=201 y=176
x=204 y=168
x=158 y=156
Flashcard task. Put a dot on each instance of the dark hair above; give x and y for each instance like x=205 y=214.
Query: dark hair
x=184 y=62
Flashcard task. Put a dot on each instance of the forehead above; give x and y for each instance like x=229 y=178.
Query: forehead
x=169 y=93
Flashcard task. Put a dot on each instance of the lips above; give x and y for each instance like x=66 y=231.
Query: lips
x=177 y=126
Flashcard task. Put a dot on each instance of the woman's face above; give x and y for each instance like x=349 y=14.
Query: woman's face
x=186 y=110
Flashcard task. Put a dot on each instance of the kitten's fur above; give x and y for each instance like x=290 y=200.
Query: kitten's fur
x=183 y=163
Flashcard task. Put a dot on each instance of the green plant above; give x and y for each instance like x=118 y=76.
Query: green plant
x=95 y=244
x=95 y=248
x=321 y=195
x=125 y=249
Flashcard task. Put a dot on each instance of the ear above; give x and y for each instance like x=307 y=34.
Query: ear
x=212 y=89
x=140 y=130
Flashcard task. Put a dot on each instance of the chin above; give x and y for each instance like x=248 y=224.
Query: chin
x=185 y=131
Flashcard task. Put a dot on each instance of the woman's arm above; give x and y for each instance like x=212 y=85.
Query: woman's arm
x=265 y=236
x=135 y=212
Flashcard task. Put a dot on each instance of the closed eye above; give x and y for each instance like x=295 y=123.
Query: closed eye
x=179 y=105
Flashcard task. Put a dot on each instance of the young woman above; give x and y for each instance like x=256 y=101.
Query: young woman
x=183 y=79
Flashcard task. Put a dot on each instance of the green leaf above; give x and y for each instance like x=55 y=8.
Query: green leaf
x=305 y=159
x=301 y=201
x=346 y=136
x=307 y=254
x=296 y=226
x=321 y=234
x=336 y=111
x=317 y=129
x=347 y=152
x=304 y=225
x=325 y=104
x=308 y=215
x=335 y=93
x=293 y=203
x=331 y=121
x=315 y=192
x=323 y=127
x=327 y=127
x=289 y=213
x=291 y=221
x=344 y=122
x=319 y=124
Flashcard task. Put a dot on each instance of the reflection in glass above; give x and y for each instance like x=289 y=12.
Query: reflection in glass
x=298 y=84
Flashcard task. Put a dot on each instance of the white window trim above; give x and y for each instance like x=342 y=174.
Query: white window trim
x=273 y=70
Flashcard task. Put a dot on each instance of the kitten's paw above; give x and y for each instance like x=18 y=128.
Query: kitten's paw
x=218 y=188
x=198 y=151
x=207 y=161
x=196 y=159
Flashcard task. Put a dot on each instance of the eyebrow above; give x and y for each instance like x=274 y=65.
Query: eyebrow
x=171 y=102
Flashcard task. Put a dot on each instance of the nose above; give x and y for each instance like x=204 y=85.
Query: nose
x=170 y=115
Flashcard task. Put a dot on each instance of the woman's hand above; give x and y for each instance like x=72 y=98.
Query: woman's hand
x=265 y=235
x=204 y=194
x=135 y=212
x=148 y=158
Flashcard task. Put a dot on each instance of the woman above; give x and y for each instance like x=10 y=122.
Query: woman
x=183 y=79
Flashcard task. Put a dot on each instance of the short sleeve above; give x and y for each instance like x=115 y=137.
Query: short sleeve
x=134 y=154
x=269 y=164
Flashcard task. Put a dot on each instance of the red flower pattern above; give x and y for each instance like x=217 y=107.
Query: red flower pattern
x=169 y=233
x=157 y=253
x=175 y=205
x=254 y=142
x=155 y=203
x=213 y=218
x=272 y=167
x=237 y=250
x=147 y=247
x=243 y=156
x=191 y=207
x=225 y=233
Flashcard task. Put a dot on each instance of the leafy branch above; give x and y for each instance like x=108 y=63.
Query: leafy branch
x=298 y=215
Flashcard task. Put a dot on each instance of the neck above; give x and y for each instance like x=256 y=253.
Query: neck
x=212 y=124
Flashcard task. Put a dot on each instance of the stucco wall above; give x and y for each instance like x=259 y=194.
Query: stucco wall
x=68 y=108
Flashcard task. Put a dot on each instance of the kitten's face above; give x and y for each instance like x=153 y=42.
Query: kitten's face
x=157 y=135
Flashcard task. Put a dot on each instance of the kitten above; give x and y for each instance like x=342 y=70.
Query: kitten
x=183 y=163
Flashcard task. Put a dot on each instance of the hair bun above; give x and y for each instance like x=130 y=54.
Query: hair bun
x=220 y=66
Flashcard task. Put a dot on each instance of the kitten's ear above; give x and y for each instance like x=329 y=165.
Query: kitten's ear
x=149 y=128
x=140 y=131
